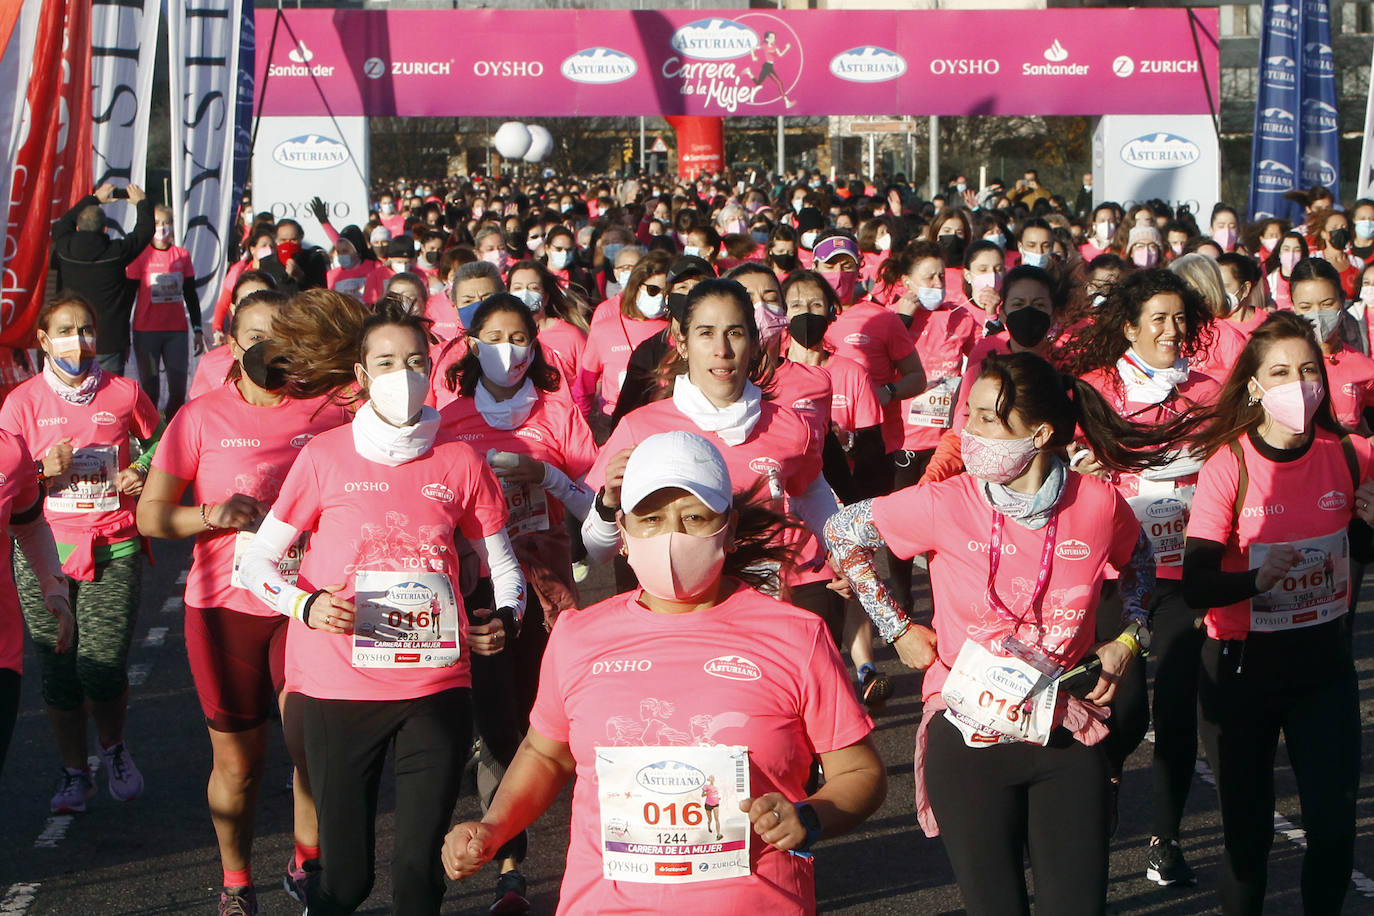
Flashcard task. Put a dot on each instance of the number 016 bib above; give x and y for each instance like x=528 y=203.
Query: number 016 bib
x=670 y=815
x=1316 y=589
x=404 y=620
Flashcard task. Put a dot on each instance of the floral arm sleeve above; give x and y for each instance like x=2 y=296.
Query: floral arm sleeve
x=853 y=537
x=1137 y=583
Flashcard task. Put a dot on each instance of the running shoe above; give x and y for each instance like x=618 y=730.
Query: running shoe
x=580 y=571
x=238 y=901
x=75 y=790
x=511 y=888
x=295 y=881
x=126 y=782
x=874 y=687
x=1164 y=864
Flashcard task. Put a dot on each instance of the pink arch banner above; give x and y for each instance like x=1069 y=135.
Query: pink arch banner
x=525 y=63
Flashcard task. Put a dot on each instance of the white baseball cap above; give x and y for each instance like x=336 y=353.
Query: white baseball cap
x=379 y=235
x=681 y=460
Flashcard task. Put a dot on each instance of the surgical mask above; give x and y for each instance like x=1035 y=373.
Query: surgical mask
x=399 y=267
x=1267 y=246
x=808 y=329
x=1098 y=300
x=961 y=187
x=649 y=306
x=609 y=252
x=691 y=251
x=798 y=204
x=760 y=238
x=1105 y=229
x=786 y=262
x=1232 y=302
x=1367 y=295
x=397 y=396
x=675 y=566
x=623 y=276
x=162 y=233
x=1292 y=404
x=496 y=256
x=997 y=239
x=1225 y=237
x=883 y=243
x=997 y=460
x=263 y=370
x=842 y=282
x=564 y=208
x=1364 y=228
x=1288 y=260
x=1324 y=321
x=991 y=280
x=808 y=238
x=262 y=252
x=1340 y=238
x=1028 y=325
x=930 y=297
x=345 y=261
x=735 y=227
x=388 y=209
x=1145 y=256
x=534 y=242
x=503 y=364
x=69 y=356
x=533 y=298
x=1035 y=258
x=770 y=321
x=559 y=260
x=1176 y=248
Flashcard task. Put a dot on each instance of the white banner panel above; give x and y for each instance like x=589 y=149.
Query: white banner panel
x=1173 y=158
x=123 y=47
x=296 y=159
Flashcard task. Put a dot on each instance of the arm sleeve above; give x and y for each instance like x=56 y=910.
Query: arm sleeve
x=36 y=540
x=188 y=292
x=507 y=581
x=600 y=537
x=870 y=457
x=815 y=506
x=836 y=470
x=260 y=571
x=1205 y=585
x=1137 y=581
x=575 y=497
x=142 y=236
x=948 y=460
x=853 y=537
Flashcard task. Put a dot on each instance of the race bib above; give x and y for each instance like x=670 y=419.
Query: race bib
x=289 y=565
x=527 y=508
x=670 y=815
x=404 y=620
x=1162 y=510
x=164 y=288
x=996 y=700
x=935 y=405
x=89 y=484
x=1316 y=589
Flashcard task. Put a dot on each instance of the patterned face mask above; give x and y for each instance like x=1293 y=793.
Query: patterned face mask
x=997 y=460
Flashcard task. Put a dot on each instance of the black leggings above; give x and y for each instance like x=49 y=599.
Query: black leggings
x=1175 y=645
x=1130 y=717
x=993 y=803
x=345 y=744
x=9 y=709
x=1303 y=683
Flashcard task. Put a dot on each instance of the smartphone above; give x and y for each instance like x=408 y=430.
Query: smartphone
x=120 y=194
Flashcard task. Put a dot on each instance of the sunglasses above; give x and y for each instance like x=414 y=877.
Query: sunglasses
x=652 y=289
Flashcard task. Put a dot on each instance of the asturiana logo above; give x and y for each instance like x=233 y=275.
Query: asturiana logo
x=1318 y=117
x=868 y=64
x=1280 y=72
x=437 y=492
x=714 y=39
x=1283 y=20
x=1273 y=175
x=1165 y=508
x=1334 y=499
x=1072 y=549
x=1318 y=171
x=1318 y=59
x=733 y=667
x=599 y=66
x=670 y=777
x=1160 y=151
x=1010 y=680
x=310 y=152
x=1277 y=124
x=104 y=418
x=409 y=595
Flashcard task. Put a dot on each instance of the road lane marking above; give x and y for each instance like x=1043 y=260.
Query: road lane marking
x=156 y=637
x=18 y=898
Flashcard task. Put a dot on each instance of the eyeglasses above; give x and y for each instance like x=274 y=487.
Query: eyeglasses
x=652 y=289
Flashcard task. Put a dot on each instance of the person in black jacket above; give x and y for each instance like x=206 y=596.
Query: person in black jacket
x=92 y=264
x=295 y=265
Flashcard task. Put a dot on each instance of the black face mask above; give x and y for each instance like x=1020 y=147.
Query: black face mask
x=677 y=307
x=808 y=328
x=1340 y=238
x=953 y=246
x=1027 y=326
x=263 y=368
x=786 y=262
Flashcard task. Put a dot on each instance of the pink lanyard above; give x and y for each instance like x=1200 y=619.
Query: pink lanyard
x=1042 y=580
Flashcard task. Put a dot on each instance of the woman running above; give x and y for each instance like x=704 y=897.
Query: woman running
x=771 y=54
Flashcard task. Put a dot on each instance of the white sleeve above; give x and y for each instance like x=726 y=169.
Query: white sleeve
x=36 y=540
x=574 y=496
x=260 y=571
x=815 y=506
x=600 y=537
x=507 y=581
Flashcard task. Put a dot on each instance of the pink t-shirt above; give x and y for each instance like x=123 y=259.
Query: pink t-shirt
x=160 y=273
x=876 y=339
x=953 y=519
x=1350 y=377
x=439 y=309
x=18 y=492
x=607 y=357
x=782 y=452
x=554 y=432
x=943 y=337
x=563 y=344
x=1228 y=340
x=839 y=392
x=1285 y=502
x=800 y=704
x=102 y=428
x=362 y=515
x=447 y=354
x=223 y=445
x=363 y=282
x=211 y=371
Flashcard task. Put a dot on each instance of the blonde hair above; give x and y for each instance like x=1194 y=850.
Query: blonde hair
x=1204 y=276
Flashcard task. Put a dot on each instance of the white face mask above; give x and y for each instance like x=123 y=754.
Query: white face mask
x=534 y=243
x=808 y=238
x=559 y=260
x=1034 y=258
x=1364 y=228
x=398 y=396
x=930 y=297
x=503 y=364
x=883 y=243
x=1105 y=229
x=399 y=267
x=162 y=234
x=649 y=306
x=623 y=276
x=532 y=298
x=691 y=251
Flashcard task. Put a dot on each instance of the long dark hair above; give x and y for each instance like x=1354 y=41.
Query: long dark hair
x=1235 y=412
x=672 y=365
x=557 y=303
x=1272 y=263
x=759 y=555
x=1042 y=394
x=1103 y=341
x=464 y=375
x=900 y=263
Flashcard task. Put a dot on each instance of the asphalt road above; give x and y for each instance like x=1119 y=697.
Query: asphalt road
x=157 y=854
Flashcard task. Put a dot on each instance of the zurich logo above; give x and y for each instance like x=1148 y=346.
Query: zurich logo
x=868 y=64
x=670 y=777
x=1160 y=151
x=714 y=39
x=599 y=66
x=310 y=153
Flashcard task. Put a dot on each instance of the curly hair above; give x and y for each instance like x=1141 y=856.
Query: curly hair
x=1100 y=344
x=319 y=331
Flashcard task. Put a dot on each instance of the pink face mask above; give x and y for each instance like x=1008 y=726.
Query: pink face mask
x=677 y=566
x=1292 y=404
x=770 y=323
x=496 y=256
x=1145 y=256
x=842 y=282
x=1289 y=259
x=991 y=280
x=997 y=460
x=1226 y=238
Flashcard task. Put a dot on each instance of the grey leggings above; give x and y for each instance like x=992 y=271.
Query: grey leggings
x=170 y=351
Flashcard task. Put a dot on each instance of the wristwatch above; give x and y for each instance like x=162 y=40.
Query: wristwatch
x=603 y=511
x=810 y=820
x=891 y=390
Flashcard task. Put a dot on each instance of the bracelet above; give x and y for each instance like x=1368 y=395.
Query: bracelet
x=603 y=511
x=139 y=469
x=1079 y=457
x=205 y=518
x=1128 y=640
x=305 y=608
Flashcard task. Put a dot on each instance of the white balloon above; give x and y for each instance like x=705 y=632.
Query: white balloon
x=511 y=140
x=541 y=143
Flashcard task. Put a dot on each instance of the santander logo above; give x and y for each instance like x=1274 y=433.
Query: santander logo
x=1072 y=549
x=733 y=668
x=1332 y=500
x=437 y=492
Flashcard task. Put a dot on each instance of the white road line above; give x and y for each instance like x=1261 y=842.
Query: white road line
x=156 y=637
x=1282 y=825
x=18 y=898
x=172 y=605
x=181 y=576
x=138 y=674
x=54 y=831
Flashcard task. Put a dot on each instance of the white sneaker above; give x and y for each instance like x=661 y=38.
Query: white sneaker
x=76 y=789
x=126 y=782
